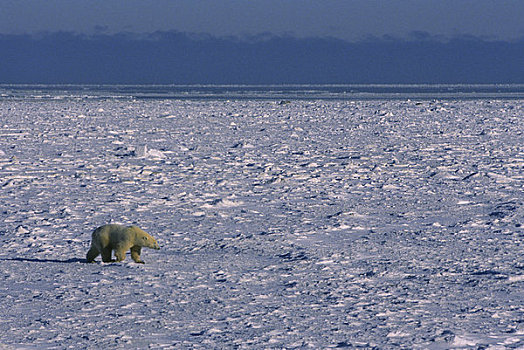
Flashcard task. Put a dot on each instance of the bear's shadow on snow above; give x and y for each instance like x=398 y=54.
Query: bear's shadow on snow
x=68 y=261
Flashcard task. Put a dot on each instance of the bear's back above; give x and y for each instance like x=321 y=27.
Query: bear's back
x=111 y=234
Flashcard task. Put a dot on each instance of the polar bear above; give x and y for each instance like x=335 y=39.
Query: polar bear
x=119 y=238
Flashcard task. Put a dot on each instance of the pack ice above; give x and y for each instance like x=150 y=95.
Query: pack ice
x=311 y=224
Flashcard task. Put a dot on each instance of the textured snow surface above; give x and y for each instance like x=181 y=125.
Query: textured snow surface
x=373 y=224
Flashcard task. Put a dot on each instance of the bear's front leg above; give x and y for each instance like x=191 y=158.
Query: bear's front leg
x=135 y=254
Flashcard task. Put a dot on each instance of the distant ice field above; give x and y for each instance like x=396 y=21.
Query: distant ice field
x=283 y=222
x=267 y=92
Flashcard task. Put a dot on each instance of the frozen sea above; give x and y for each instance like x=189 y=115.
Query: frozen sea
x=289 y=217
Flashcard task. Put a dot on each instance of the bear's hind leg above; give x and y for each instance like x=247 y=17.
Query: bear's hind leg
x=92 y=254
x=106 y=255
x=120 y=254
x=135 y=254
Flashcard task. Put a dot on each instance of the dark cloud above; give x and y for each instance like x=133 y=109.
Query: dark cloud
x=98 y=29
x=348 y=20
x=180 y=58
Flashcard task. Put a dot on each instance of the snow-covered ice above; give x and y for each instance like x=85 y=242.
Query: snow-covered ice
x=371 y=224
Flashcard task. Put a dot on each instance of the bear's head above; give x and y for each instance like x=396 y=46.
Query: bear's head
x=144 y=239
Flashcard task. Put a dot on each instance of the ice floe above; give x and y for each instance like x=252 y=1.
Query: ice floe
x=312 y=224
